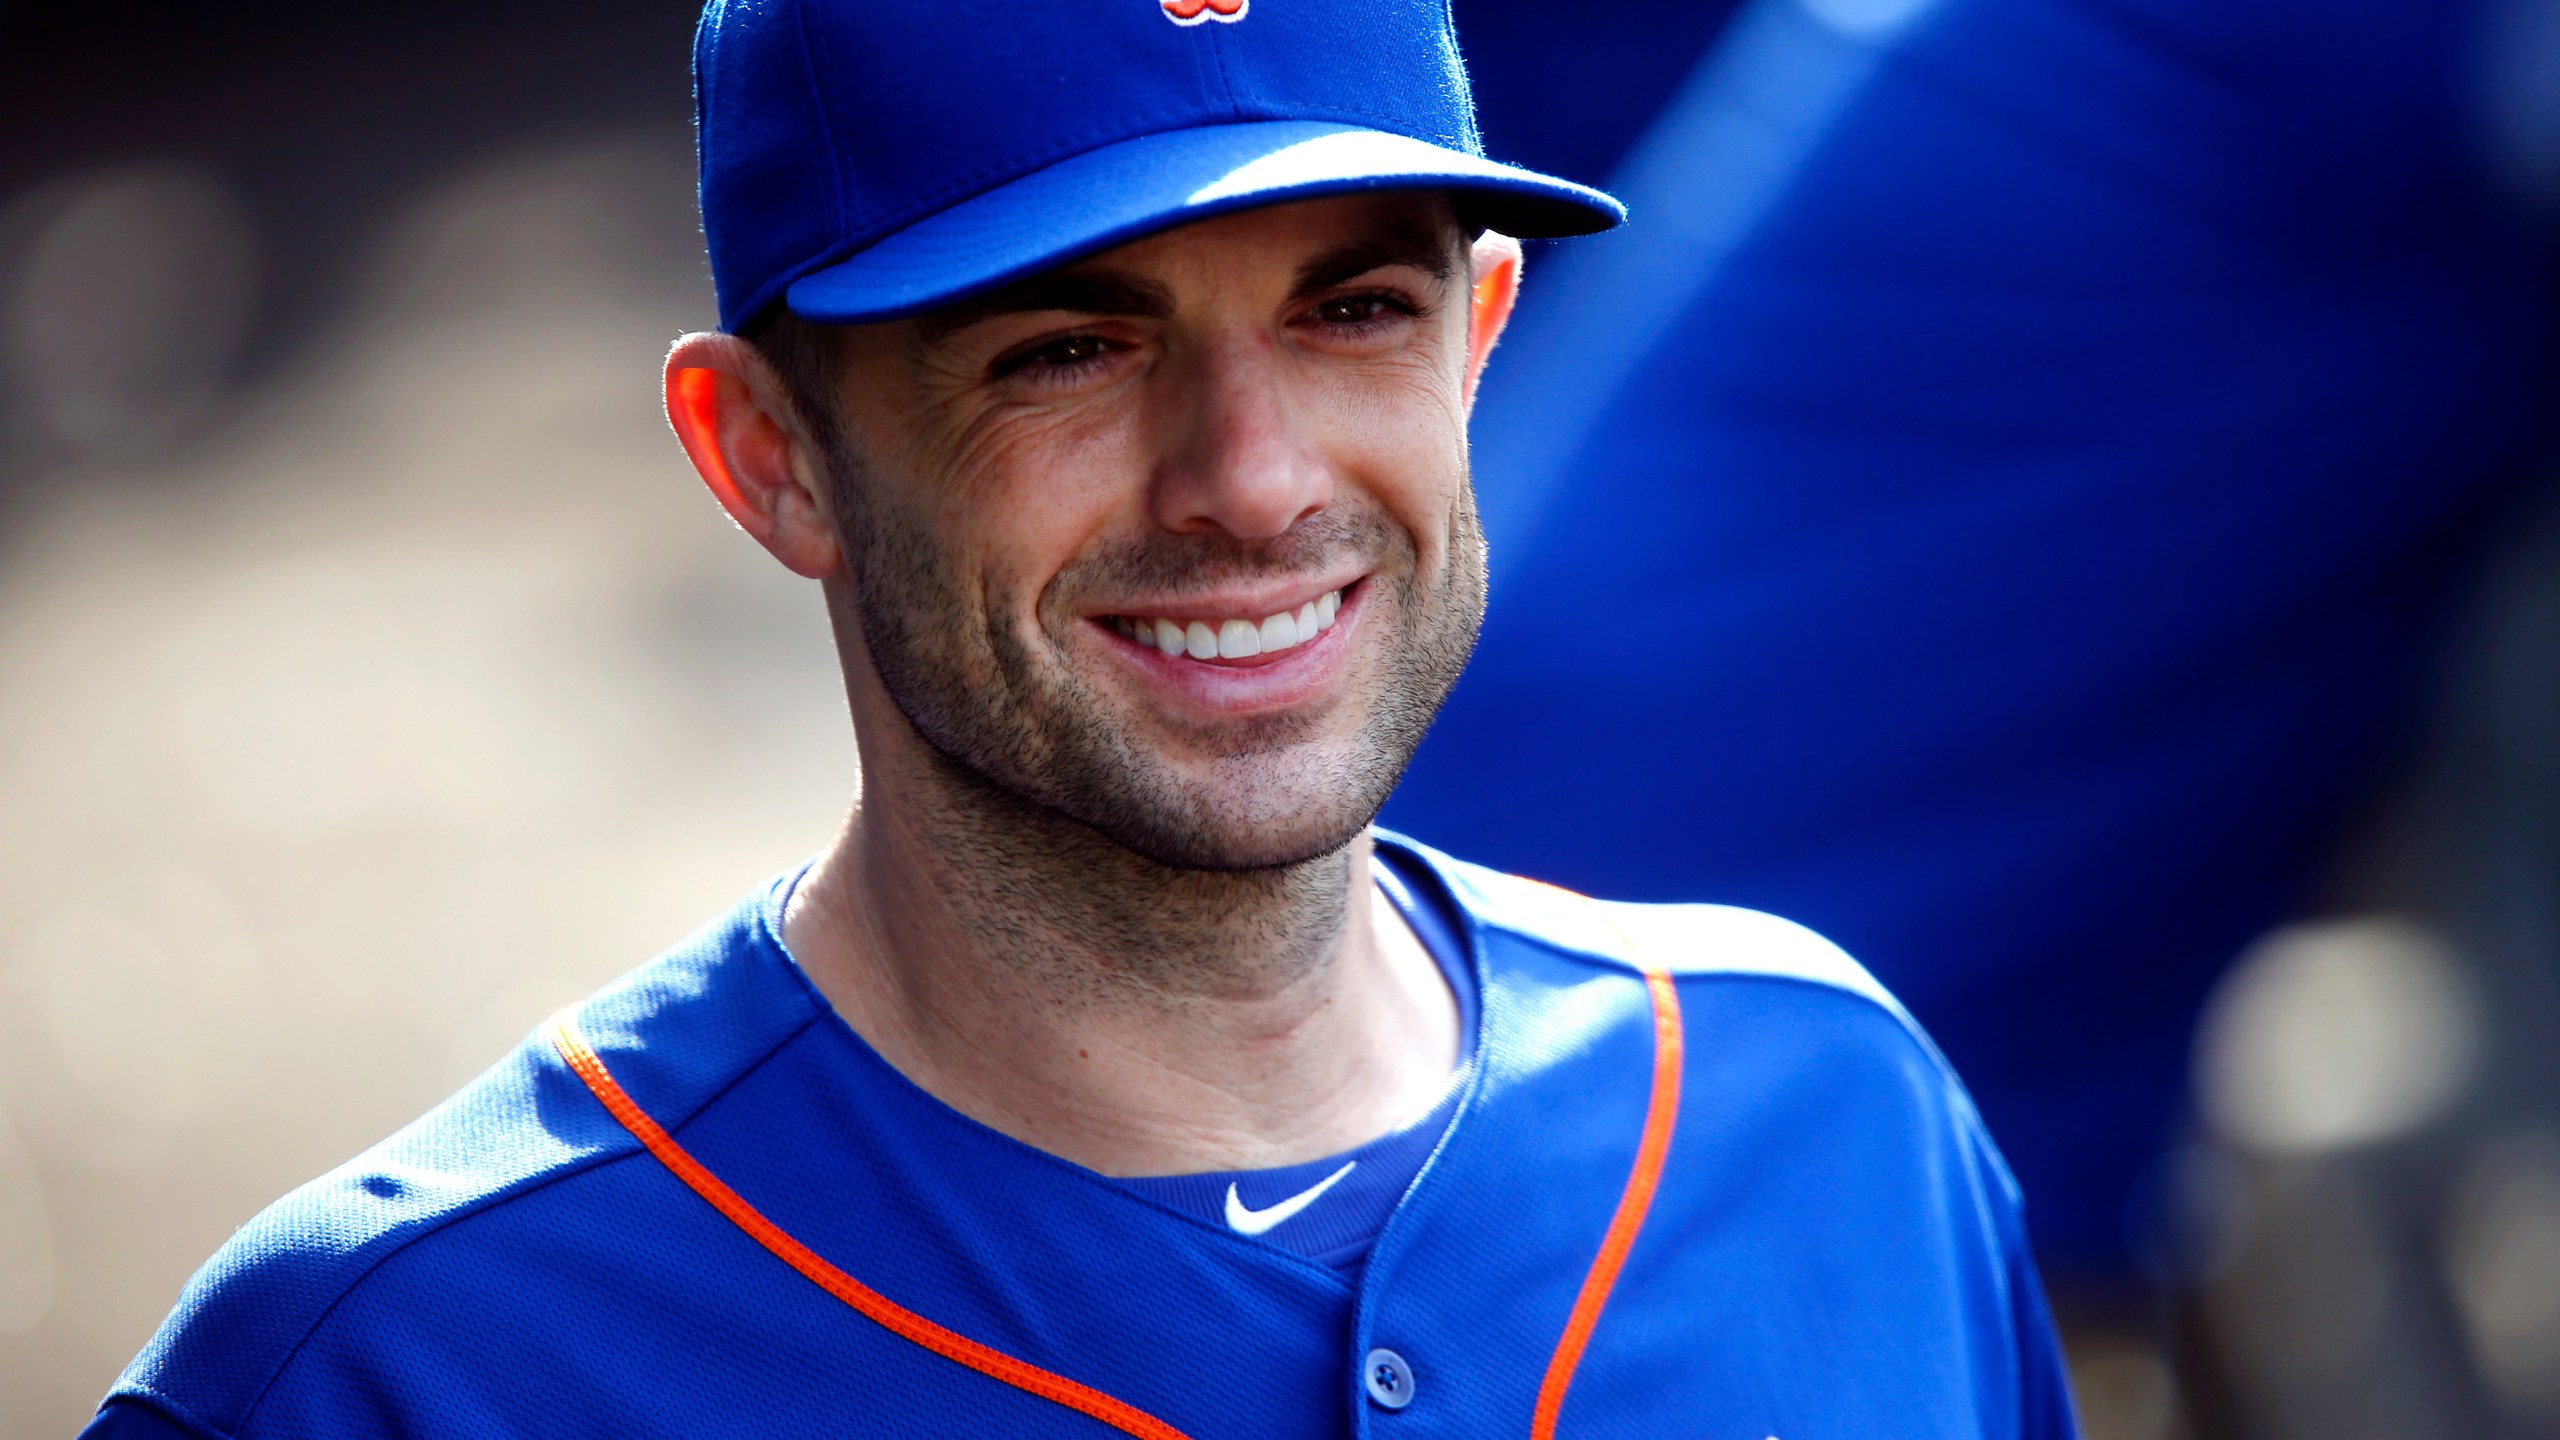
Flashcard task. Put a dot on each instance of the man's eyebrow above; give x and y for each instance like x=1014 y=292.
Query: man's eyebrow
x=1418 y=243
x=1084 y=292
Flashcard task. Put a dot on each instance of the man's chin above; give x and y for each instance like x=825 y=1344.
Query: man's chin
x=1229 y=848
x=1257 y=812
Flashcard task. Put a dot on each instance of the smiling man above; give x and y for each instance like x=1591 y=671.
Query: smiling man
x=1108 y=365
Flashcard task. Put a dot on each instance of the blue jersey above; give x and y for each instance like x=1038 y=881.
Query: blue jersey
x=1704 y=1179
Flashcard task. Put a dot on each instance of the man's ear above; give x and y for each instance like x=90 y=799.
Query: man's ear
x=1495 y=264
x=736 y=424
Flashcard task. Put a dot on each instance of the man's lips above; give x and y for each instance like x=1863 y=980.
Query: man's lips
x=1232 y=640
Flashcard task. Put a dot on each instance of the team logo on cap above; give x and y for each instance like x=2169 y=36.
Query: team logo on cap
x=1192 y=12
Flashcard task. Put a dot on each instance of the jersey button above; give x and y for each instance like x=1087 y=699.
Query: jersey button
x=1389 y=1379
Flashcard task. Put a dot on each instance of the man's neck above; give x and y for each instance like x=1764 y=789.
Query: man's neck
x=1129 y=1017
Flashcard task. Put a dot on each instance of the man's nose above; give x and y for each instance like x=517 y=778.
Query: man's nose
x=1241 y=457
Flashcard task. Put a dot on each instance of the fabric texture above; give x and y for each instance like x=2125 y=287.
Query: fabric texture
x=1834 y=1250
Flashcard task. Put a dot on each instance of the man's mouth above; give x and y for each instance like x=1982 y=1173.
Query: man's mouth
x=1209 y=637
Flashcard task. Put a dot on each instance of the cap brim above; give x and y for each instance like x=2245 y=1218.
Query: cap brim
x=1116 y=194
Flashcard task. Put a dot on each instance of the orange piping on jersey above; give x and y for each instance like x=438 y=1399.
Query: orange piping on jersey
x=888 y=1314
x=1661 y=1113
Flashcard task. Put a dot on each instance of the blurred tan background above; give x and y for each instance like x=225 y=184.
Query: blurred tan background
x=374 y=675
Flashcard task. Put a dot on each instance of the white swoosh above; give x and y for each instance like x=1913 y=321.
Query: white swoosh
x=1247 y=1221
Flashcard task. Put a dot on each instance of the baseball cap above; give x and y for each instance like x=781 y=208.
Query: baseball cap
x=866 y=159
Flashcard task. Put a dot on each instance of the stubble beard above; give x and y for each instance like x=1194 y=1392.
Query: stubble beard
x=1076 y=832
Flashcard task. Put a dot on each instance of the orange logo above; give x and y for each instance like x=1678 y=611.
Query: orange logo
x=1192 y=12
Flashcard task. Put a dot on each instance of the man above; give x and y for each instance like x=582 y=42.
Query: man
x=1108 y=365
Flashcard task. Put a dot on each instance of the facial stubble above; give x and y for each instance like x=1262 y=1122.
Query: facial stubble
x=1054 y=803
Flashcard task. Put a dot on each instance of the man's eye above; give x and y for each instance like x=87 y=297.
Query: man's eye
x=1353 y=309
x=1074 y=350
x=1071 y=352
x=1363 y=315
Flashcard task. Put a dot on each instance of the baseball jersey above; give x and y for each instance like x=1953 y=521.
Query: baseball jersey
x=1703 y=1179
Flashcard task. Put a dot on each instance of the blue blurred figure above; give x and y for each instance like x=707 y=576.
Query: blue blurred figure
x=1991 y=503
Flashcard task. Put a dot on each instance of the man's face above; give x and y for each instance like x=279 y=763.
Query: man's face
x=1178 y=541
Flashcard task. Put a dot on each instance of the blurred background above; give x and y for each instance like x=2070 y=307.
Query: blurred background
x=2056 y=493
x=374 y=675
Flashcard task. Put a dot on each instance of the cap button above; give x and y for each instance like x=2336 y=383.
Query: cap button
x=1389 y=1379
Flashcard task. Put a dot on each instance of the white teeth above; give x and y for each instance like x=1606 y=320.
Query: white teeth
x=1234 y=639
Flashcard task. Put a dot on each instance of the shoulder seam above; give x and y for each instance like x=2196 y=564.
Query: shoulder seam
x=1904 y=1023
x=1624 y=967
x=1901 y=1019
x=1635 y=944
x=625 y=1148
x=151 y=1397
x=248 y=1414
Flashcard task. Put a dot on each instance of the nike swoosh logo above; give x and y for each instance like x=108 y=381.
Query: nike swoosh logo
x=1245 y=1220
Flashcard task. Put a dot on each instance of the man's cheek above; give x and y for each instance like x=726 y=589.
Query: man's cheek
x=1430 y=508
x=1052 y=460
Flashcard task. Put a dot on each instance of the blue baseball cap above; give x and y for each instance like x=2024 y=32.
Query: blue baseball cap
x=866 y=159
